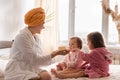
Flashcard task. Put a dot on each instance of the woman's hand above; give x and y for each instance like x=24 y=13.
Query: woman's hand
x=62 y=52
x=59 y=52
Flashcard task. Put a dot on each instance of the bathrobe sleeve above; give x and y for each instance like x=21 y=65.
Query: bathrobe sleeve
x=29 y=53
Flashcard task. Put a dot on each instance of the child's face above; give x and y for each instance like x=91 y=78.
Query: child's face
x=73 y=44
x=89 y=44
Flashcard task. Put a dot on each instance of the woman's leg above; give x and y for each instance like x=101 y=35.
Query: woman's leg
x=45 y=76
x=35 y=79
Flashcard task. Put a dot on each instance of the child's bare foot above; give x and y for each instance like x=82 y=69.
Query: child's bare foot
x=53 y=71
x=59 y=68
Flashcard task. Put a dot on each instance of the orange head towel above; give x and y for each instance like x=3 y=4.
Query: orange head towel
x=35 y=17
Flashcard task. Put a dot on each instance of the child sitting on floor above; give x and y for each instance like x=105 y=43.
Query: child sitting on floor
x=98 y=58
x=72 y=63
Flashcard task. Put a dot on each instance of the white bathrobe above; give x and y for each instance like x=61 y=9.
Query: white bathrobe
x=25 y=57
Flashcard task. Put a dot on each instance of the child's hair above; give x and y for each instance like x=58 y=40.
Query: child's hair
x=79 y=42
x=96 y=39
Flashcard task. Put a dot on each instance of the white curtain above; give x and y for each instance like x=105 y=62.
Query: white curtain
x=12 y=17
x=50 y=35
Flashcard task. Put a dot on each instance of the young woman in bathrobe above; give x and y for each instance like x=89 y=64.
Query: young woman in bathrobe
x=97 y=60
x=26 y=55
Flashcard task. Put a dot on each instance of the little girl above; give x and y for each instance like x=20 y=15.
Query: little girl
x=98 y=58
x=72 y=63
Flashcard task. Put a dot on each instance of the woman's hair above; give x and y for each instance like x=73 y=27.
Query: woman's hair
x=96 y=39
x=35 y=17
x=79 y=41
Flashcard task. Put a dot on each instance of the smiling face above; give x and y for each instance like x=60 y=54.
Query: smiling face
x=73 y=44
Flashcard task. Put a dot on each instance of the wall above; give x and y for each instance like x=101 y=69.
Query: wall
x=11 y=17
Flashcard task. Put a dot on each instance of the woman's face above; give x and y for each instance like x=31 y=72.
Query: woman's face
x=37 y=29
x=73 y=44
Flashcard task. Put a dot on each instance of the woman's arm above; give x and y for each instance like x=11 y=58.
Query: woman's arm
x=59 y=52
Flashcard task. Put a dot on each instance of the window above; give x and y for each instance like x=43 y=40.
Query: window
x=63 y=12
x=88 y=17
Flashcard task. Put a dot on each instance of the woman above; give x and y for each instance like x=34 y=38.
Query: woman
x=26 y=55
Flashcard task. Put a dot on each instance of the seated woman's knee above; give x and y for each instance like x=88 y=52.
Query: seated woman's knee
x=45 y=76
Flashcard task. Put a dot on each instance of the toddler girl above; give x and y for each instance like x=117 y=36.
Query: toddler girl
x=72 y=63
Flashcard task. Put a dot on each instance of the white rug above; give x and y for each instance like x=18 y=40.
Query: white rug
x=114 y=72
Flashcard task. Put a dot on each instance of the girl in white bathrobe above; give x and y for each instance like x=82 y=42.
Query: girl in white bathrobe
x=26 y=55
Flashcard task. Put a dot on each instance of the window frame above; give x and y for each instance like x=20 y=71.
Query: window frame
x=105 y=21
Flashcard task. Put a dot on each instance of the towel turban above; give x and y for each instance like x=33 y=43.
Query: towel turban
x=35 y=17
